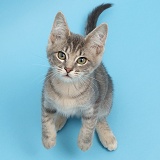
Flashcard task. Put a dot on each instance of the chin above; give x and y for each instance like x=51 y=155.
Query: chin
x=67 y=79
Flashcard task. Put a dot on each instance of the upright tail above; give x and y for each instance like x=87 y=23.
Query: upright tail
x=93 y=17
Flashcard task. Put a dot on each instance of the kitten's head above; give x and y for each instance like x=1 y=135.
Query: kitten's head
x=71 y=56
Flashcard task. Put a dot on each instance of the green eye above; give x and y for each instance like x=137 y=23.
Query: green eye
x=81 y=60
x=61 y=55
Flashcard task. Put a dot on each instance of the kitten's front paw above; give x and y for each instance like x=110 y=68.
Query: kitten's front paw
x=112 y=145
x=49 y=142
x=84 y=143
x=109 y=142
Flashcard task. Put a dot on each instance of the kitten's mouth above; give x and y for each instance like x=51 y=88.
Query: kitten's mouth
x=67 y=76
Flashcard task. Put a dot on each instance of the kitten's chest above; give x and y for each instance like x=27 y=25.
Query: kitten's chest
x=68 y=106
x=69 y=99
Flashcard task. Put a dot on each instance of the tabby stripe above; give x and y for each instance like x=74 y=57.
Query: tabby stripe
x=49 y=110
x=83 y=92
x=53 y=89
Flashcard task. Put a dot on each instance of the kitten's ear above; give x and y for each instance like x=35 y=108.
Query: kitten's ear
x=95 y=40
x=60 y=30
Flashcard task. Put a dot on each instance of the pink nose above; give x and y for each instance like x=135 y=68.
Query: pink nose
x=68 y=69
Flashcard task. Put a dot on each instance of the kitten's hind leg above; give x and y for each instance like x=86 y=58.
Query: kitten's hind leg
x=105 y=135
x=60 y=122
x=48 y=128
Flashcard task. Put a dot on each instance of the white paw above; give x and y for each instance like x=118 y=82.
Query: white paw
x=109 y=142
x=112 y=145
x=49 y=142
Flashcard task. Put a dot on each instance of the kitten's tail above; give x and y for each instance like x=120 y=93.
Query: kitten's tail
x=93 y=17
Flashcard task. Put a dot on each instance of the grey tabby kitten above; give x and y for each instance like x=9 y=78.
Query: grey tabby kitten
x=77 y=83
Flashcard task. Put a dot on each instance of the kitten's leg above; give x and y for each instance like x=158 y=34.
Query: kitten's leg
x=60 y=122
x=48 y=128
x=86 y=133
x=105 y=135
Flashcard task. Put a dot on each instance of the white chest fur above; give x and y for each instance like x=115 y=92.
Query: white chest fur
x=69 y=99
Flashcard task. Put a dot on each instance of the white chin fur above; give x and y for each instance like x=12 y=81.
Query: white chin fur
x=67 y=79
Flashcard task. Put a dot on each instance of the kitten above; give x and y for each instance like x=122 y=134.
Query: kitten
x=77 y=83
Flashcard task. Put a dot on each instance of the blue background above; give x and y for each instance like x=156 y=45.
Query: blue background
x=132 y=57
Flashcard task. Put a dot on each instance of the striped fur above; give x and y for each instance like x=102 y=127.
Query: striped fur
x=86 y=90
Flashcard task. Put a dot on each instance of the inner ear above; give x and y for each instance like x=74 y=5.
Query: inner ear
x=95 y=40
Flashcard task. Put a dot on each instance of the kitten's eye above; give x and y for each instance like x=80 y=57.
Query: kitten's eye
x=61 y=55
x=81 y=60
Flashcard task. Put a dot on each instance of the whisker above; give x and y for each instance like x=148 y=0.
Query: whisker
x=41 y=65
x=44 y=78
x=44 y=58
x=95 y=79
x=35 y=79
x=53 y=76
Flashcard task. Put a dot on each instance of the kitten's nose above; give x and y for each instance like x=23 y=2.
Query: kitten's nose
x=68 y=69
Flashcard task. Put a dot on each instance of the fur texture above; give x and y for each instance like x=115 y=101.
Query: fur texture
x=77 y=83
